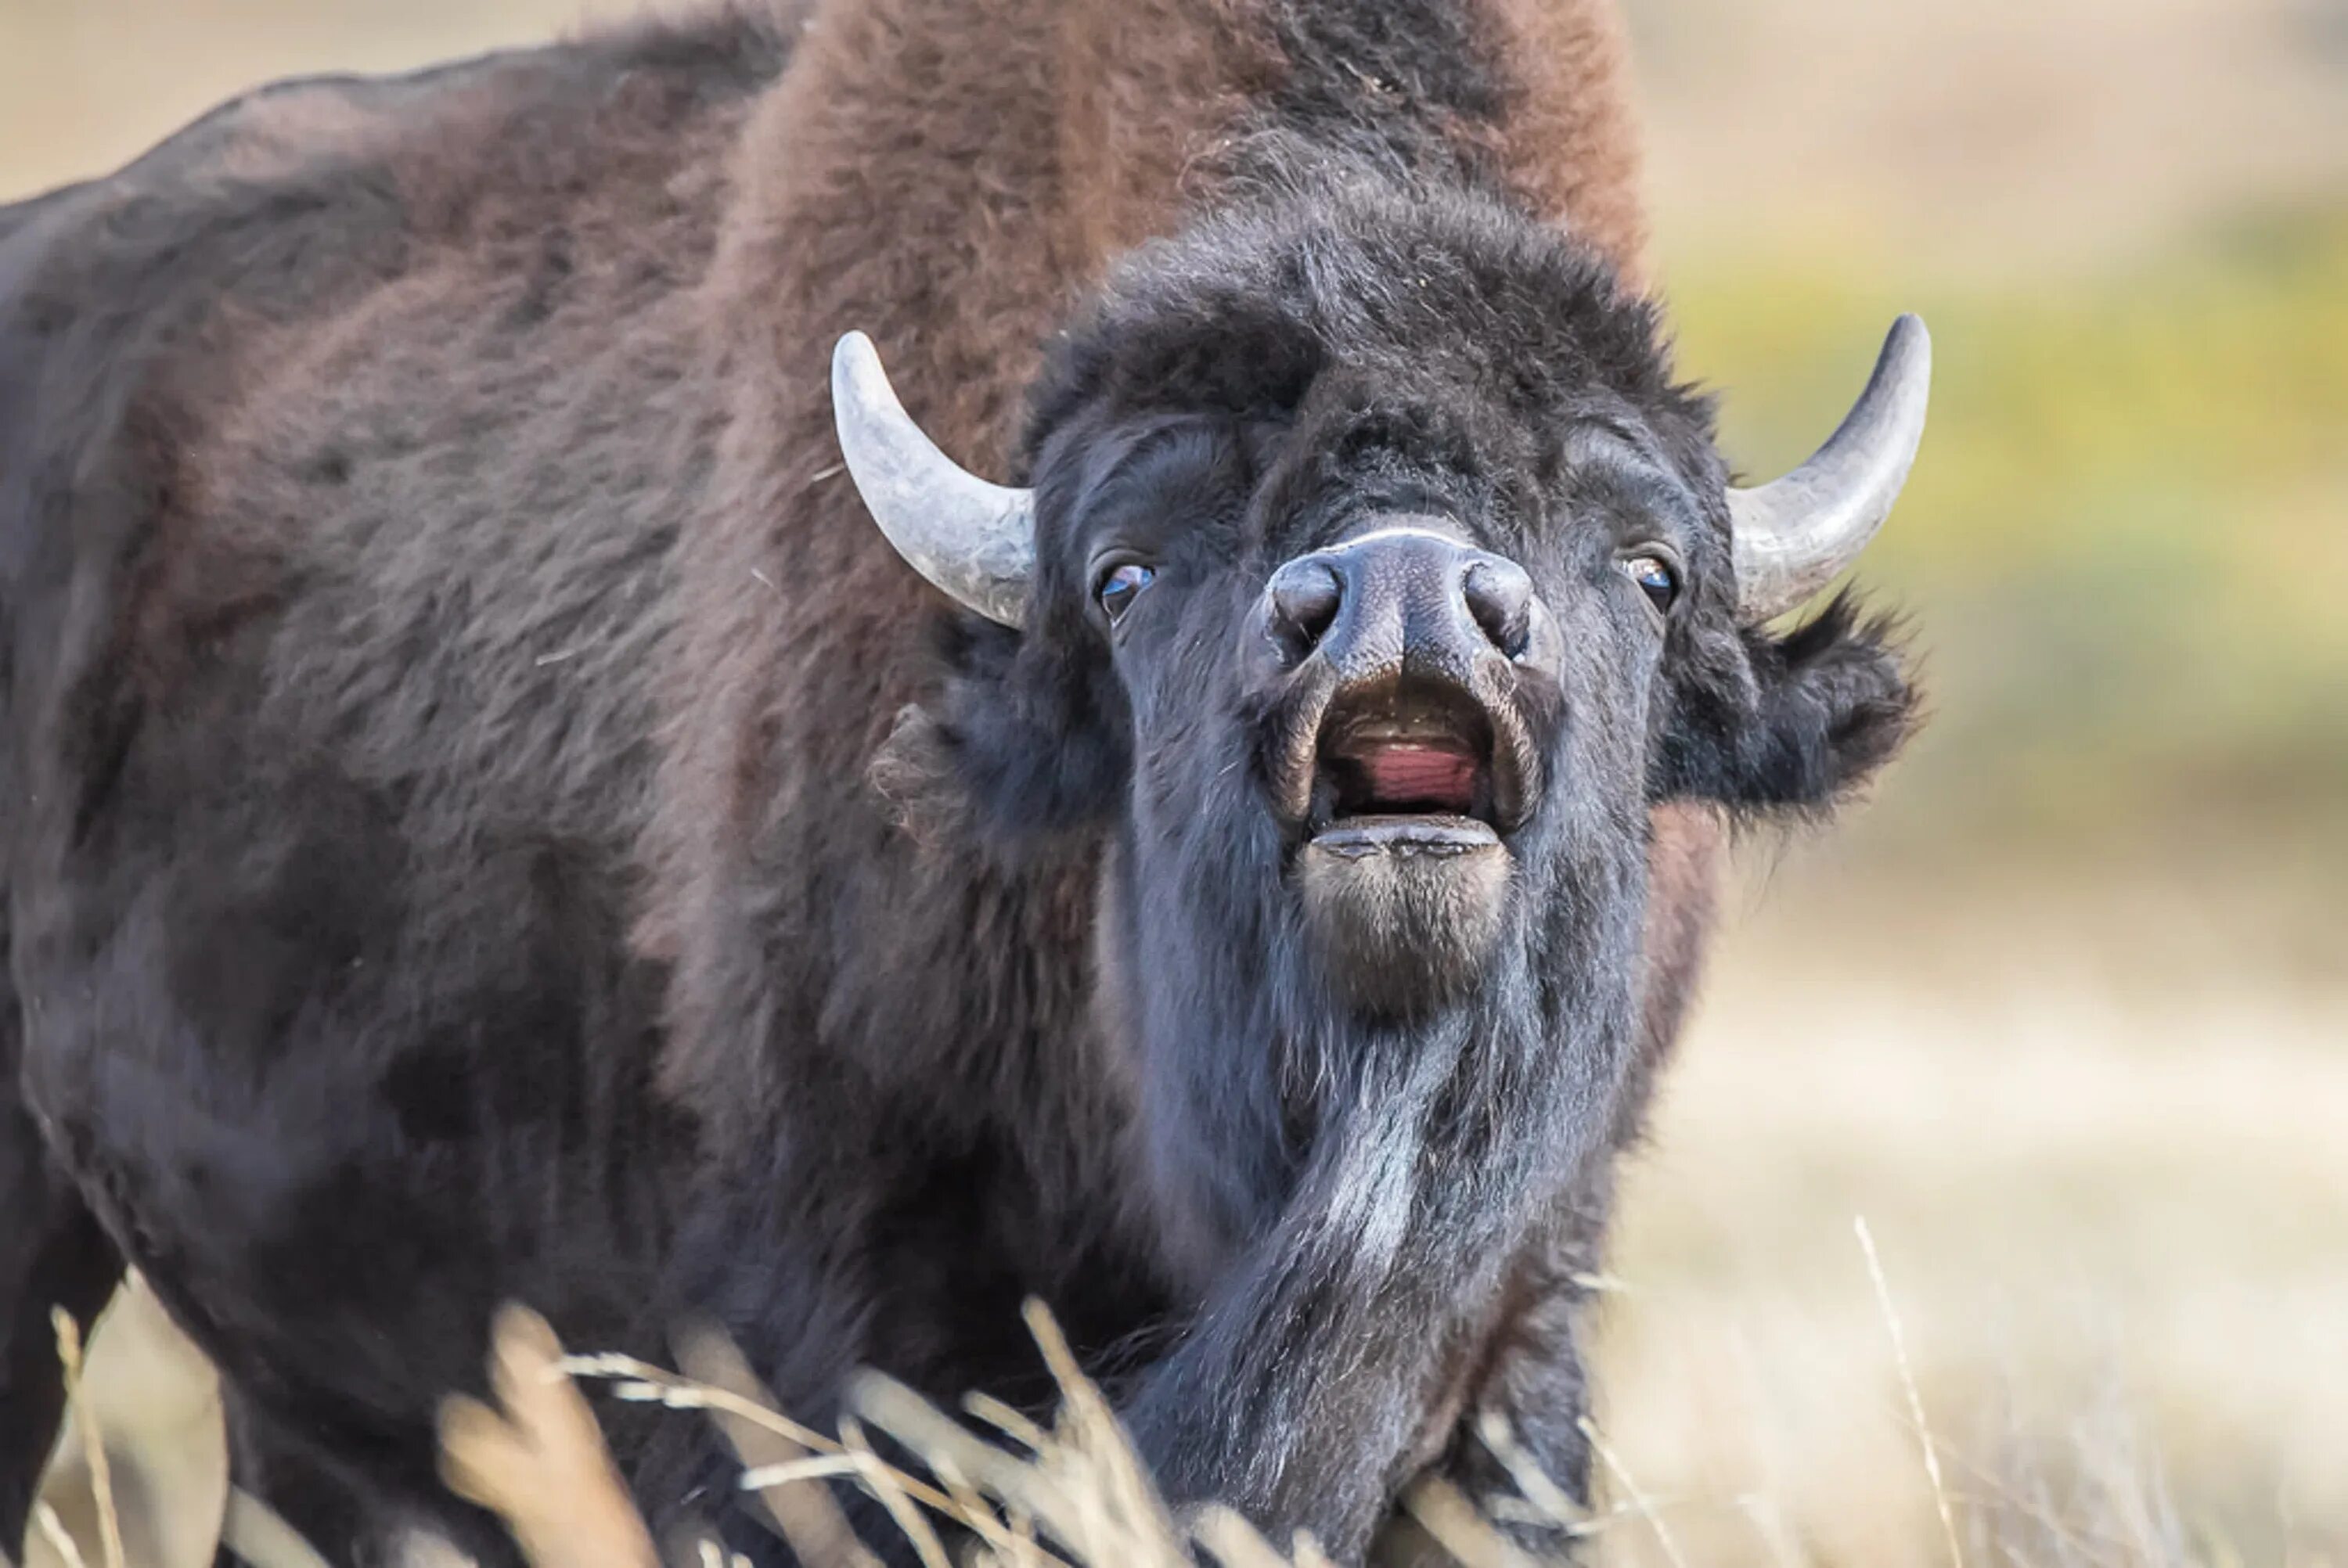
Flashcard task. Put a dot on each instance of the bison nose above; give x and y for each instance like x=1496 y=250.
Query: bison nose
x=1399 y=599
x=1500 y=595
x=1306 y=596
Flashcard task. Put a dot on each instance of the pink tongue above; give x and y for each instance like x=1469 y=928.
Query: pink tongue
x=1420 y=775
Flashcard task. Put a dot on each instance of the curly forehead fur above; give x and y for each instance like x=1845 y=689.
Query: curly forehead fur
x=1243 y=310
x=1398 y=325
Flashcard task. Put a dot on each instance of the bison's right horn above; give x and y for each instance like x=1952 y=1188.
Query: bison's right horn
x=973 y=539
x=1795 y=534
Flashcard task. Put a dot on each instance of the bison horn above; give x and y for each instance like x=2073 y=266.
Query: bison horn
x=1797 y=533
x=974 y=540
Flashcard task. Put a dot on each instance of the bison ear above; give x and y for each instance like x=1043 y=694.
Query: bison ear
x=1019 y=748
x=1819 y=710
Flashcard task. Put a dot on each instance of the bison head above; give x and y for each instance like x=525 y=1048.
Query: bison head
x=1374 y=579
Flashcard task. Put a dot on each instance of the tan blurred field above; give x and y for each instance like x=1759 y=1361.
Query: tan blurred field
x=2112 y=1205
x=2064 y=1012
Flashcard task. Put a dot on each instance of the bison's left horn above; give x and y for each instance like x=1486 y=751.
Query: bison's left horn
x=1795 y=534
x=973 y=539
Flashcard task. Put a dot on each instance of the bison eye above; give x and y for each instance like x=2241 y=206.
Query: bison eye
x=1656 y=578
x=1121 y=586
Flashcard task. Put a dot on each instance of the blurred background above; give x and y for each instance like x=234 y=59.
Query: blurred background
x=2063 y=1010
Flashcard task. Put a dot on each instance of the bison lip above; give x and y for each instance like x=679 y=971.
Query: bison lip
x=1412 y=769
x=1437 y=837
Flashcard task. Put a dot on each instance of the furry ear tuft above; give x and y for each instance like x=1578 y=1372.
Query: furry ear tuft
x=1020 y=748
x=1830 y=702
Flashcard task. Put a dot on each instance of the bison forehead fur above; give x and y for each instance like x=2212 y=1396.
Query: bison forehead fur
x=492 y=819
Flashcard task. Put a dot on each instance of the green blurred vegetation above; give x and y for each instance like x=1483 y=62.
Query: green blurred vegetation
x=2126 y=543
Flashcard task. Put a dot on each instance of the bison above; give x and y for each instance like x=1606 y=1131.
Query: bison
x=490 y=816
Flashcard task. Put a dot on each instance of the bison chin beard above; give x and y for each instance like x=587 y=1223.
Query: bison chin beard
x=1403 y=922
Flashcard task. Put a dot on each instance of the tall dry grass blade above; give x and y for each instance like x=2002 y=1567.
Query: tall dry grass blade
x=1445 y=1513
x=1639 y=1500
x=52 y=1530
x=93 y=1441
x=797 y=1502
x=1232 y=1540
x=1091 y=1424
x=972 y=1504
x=260 y=1535
x=1085 y=1487
x=1304 y=1552
x=1908 y=1382
x=790 y=1472
x=1538 y=1487
x=538 y=1461
x=1023 y=1552
x=1011 y=1423
x=644 y=1383
x=883 y=1480
x=1122 y=1493
x=928 y=1431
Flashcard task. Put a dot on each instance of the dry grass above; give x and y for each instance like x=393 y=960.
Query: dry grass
x=1072 y=1495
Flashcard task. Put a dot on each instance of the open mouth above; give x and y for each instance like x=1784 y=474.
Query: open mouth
x=1412 y=766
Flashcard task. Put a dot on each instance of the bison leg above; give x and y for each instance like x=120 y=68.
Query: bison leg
x=1530 y=1397
x=323 y=1509
x=53 y=1254
x=336 y=1113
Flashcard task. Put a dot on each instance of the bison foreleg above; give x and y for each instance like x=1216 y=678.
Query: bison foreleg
x=52 y=1254
x=1519 y=1454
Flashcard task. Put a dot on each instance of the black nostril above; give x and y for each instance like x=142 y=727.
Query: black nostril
x=1305 y=597
x=1500 y=597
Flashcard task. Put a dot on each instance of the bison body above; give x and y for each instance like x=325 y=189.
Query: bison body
x=490 y=817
